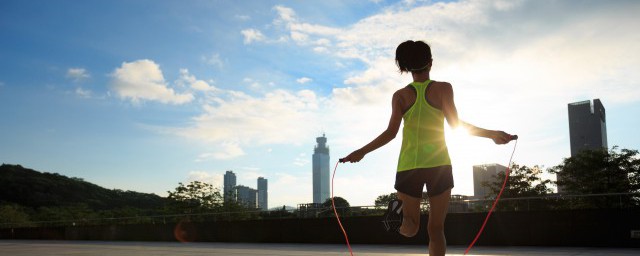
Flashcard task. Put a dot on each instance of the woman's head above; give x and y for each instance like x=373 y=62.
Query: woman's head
x=413 y=56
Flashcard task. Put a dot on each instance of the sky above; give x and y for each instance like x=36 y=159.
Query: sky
x=141 y=95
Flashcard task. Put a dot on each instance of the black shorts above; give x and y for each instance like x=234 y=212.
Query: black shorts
x=438 y=180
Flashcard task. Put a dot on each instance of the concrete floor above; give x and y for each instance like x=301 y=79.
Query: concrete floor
x=78 y=248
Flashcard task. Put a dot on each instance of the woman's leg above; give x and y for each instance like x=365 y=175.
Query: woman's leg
x=410 y=214
x=438 y=207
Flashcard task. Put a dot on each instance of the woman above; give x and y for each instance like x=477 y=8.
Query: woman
x=424 y=158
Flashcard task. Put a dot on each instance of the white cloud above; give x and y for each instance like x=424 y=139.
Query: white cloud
x=301 y=160
x=224 y=151
x=214 y=60
x=281 y=186
x=304 y=33
x=77 y=74
x=277 y=117
x=229 y=150
x=207 y=177
x=242 y=17
x=503 y=42
x=83 y=93
x=143 y=80
x=187 y=79
x=303 y=80
x=285 y=14
x=252 y=35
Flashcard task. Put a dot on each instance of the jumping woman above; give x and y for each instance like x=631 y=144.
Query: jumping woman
x=424 y=157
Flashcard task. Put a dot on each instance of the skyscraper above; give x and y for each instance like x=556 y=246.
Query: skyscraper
x=229 y=186
x=485 y=173
x=321 y=171
x=262 y=194
x=587 y=129
x=587 y=126
x=247 y=196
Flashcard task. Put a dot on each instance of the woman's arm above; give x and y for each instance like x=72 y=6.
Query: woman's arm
x=451 y=114
x=385 y=137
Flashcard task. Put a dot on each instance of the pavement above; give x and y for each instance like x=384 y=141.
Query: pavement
x=81 y=248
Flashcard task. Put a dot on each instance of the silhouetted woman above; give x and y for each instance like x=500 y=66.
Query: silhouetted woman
x=424 y=158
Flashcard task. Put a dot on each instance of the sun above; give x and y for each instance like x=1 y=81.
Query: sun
x=456 y=136
x=458 y=142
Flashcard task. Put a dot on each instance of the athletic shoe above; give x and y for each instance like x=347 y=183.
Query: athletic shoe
x=392 y=219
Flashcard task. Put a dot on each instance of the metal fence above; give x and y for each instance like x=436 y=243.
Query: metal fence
x=550 y=203
x=458 y=204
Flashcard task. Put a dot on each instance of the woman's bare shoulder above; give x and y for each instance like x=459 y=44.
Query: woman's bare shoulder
x=441 y=84
x=404 y=91
x=442 y=87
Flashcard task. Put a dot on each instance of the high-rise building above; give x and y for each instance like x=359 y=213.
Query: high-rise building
x=321 y=171
x=229 y=186
x=247 y=196
x=263 y=198
x=587 y=126
x=485 y=173
x=587 y=129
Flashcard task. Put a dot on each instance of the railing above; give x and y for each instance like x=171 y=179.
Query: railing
x=457 y=205
x=550 y=202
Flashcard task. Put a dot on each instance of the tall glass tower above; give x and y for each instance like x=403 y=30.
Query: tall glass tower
x=587 y=129
x=321 y=171
x=229 y=186
x=263 y=198
x=587 y=126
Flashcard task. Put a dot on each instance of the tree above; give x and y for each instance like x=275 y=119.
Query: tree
x=601 y=172
x=342 y=207
x=523 y=181
x=383 y=200
x=14 y=215
x=277 y=214
x=196 y=197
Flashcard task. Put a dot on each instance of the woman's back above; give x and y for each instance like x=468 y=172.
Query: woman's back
x=423 y=142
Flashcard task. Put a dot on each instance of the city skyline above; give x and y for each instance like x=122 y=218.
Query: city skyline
x=250 y=197
x=147 y=94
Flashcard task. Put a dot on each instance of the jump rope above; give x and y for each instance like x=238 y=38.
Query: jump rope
x=504 y=183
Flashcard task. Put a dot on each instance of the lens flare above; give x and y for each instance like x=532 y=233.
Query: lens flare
x=185 y=231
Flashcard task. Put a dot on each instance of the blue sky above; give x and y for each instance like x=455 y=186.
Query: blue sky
x=141 y=95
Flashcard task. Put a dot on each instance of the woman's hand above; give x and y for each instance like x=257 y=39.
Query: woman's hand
x=354 y=157
x=500 y=137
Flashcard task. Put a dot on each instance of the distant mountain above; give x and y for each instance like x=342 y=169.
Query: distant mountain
x=33 y=189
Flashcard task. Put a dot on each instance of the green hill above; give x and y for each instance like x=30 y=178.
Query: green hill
x=33 y=190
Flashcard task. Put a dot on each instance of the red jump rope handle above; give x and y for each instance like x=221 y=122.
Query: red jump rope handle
x=514 y=137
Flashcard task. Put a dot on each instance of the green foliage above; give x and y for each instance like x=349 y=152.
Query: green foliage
x=383 y=200
x=601 y=172
x=13 y=213
x=523 y=181
x=69 y=214
x=277 y=214
x=34 y=189
x=195 y=197
x=342 y=207
x=35 y=198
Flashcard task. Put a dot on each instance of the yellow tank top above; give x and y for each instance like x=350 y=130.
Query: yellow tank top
x=423 y=143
